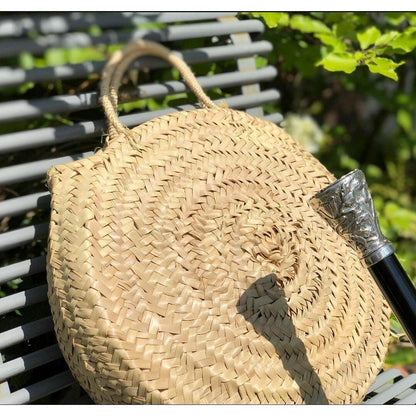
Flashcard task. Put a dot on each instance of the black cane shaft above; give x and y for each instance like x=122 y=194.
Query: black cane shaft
x=398 y=291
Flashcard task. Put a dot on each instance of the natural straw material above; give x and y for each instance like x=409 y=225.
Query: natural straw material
x=187 y=266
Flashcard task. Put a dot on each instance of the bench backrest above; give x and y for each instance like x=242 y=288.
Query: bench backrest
x=50 y=114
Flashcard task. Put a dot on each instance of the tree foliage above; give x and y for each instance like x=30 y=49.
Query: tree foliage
x=347 y=41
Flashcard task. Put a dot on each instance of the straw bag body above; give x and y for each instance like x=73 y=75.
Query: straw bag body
x=186 y=265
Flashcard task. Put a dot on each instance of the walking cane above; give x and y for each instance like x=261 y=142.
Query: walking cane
x=348 y=207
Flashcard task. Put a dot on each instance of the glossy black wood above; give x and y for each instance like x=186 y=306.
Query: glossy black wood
x=398 y=291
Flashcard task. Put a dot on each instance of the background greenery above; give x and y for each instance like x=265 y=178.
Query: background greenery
x=347 y=82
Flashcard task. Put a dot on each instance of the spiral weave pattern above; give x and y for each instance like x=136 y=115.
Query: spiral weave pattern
x=186 y=265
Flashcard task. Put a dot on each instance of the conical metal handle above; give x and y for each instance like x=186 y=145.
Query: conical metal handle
x=348 y=207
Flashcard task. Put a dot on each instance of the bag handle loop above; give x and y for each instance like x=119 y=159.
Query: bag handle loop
x=118 y=64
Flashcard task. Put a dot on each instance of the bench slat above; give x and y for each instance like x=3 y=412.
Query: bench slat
x=21 y=299
x=410 y=399
x=21 y=236
x=394 y=390
x=275 y=118
x=384 y=378
x=24 y=332
x=22 y=204
x=39 y=390
x=22 y=268
x=34 y=170
x=29 y=361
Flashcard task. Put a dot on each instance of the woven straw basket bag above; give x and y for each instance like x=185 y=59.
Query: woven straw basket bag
x=186 y=264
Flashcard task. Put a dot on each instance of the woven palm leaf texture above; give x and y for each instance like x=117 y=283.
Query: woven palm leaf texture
x=186 y=264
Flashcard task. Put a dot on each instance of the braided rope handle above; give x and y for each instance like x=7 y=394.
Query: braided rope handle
x=118 y=64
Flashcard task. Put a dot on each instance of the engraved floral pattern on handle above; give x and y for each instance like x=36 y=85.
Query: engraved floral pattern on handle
x=349 y=209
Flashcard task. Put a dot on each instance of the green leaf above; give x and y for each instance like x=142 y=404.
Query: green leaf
x=339 y=62
x=358 y=55
x=386 y=38
x=404 y=119
x=333 y=17
x=273 y=19
x=331 y=40
x=318 y=15
x=383 y=66
x=26 y=60
x=112 y=48
x=402 y=220
x=405 y=41
x=395 y=18
x=346 y=23
x=373 y=171
x=368 y=37
x=261 y=62
x=173 y=100
x=403 y=356
x=347 y=162
x=412 y=18
x=344 y=29
x=23 y=88
x=14 y=284
x=95 y=30
x=134 y=105
x=403 y=99
x=395 y=323
x=40 y=62
x=78 y=55
x=56 y=56
x=308 y=25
